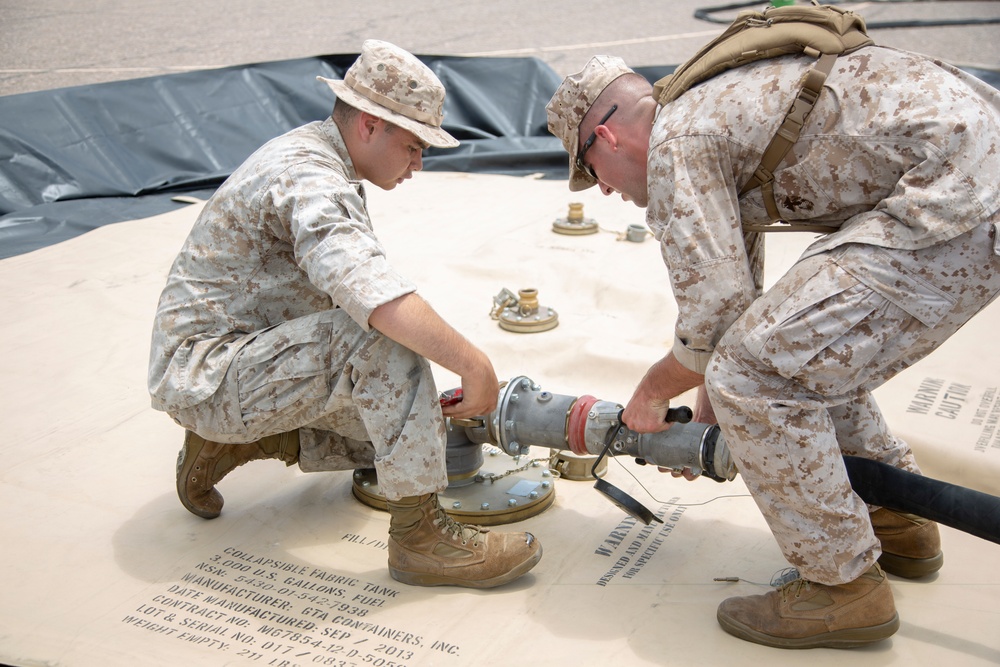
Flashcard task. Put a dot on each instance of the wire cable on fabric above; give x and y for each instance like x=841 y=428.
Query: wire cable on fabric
x=667 y=502
x=783 y=576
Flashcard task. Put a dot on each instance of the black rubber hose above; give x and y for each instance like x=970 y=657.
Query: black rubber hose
x=964 y=509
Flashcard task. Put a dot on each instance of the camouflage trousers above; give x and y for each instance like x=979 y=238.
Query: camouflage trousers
x=791 y=383
x=359 y=400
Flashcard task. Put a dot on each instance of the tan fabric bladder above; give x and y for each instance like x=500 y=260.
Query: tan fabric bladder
x=103 y=566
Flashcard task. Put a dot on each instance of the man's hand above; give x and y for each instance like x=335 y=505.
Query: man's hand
x=647 y=409
x=686 y=473
x=645 y=414
x=480 y=390
x=410 y=321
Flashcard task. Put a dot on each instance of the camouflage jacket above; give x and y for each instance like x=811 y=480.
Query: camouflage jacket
x=901 y=152
x=287 y=235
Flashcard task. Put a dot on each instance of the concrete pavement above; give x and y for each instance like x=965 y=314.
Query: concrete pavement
x=48 y=44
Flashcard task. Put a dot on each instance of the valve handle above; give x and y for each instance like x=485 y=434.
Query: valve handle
x=451 y=397
x=681 y=415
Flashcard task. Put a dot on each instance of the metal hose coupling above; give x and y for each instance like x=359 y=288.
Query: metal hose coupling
x=699 y=447
x=528 y=416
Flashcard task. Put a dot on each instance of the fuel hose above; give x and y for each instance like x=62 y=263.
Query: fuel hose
x=961 y=508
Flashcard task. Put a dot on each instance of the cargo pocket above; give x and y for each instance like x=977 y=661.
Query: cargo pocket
x=898 y=283
x=284 y=376
x=809 y=321
x=858 y=315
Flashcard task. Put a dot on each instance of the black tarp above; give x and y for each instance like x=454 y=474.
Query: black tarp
x=76 y=158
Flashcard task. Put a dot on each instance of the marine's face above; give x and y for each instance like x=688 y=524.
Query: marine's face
x=616 y=171
x=631 y=186
x=614 y=165
x=391 y=156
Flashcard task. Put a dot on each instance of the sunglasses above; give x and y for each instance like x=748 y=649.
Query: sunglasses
x=590 y=142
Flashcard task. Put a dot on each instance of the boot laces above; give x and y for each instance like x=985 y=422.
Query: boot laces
x=795 y=588
x=459 y=531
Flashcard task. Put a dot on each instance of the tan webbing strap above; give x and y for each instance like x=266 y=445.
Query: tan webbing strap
x=774 y=32
x=787 y=135
x=781 y=226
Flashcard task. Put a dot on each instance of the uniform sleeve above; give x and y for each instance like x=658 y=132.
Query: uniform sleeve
x=326 y=216
x=693 y=211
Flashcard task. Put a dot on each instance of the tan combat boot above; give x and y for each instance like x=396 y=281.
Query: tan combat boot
x=804 y=614
x=911 y=545
x=202 y=463
x=429 y=548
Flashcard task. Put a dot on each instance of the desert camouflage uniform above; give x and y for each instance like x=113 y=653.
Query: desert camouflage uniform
x=263 y=324
x=903 y=154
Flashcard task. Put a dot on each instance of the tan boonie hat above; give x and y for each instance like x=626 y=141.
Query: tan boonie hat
x=395 y=86
x=572 y=101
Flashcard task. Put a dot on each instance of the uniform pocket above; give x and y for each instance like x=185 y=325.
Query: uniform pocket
x=842 y=325
x=892 y=277
x=284 y=375
x=810 y=320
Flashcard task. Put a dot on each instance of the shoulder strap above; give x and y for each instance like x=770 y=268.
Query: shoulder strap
x=776 y=31
x=782 y=141
x=822 y=31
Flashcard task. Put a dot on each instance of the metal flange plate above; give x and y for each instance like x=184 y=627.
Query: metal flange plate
x=574 y=227
x=577 y=468
x=521 y=487
x=512 y=320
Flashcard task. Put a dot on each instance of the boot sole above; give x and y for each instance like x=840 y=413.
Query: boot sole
x=428 y=579
x=848 y=638
x=182 y=474
x=910 y=568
